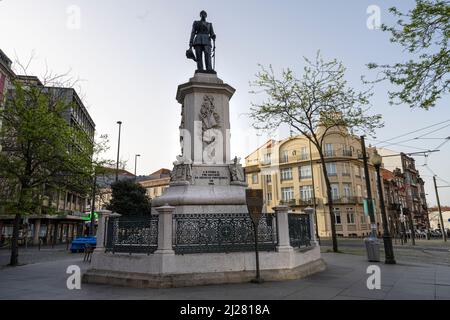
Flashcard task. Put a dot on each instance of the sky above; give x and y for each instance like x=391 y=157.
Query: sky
x=130 y=57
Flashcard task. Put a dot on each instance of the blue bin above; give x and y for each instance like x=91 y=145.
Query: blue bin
x=80 y=243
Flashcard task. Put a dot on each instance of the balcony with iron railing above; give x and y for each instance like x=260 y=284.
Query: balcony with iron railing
x=308 y=202
x=329 y=153
x=347 y=153
x=346 y=200
x=290 y=202
x=394 y=206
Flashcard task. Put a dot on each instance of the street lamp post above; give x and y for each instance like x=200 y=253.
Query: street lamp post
x=135 y=165
x=118 y=151
x=372 y=244
x=387 y=239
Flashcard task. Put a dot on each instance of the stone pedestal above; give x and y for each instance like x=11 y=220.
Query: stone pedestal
x=205 y=179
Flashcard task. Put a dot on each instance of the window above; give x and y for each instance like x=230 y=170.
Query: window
x=347 y=190
x=269 y=196
x=346 y=151
x=304 y=153
x=305 y=172
x=335 y=191
x=363 y=219
x=337 y=215
x=346 y=169
x=331 y=168
x=287 y=194
x=306 y=193
x=286 y=174
x=358 y=190
x=267 y=158
x=285 y=156
x=255 y=179
x=328 y=152
x=269 y=178
x=350 y=216
x=357 y=171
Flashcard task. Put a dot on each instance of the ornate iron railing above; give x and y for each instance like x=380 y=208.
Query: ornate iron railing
x=132 y=234
x=222 y=232
x=299 y=230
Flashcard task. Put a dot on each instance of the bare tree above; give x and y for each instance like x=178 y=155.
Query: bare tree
x=316 y=105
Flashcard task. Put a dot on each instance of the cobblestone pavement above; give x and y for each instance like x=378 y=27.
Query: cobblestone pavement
x=345 y=278
x=34 y=255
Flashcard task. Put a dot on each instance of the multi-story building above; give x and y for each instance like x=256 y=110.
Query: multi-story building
x=156 y=183
x=415 y=203
x=60 y=216
x=395 y=200
x=290 y=172
x=6 y=77
x=104 y=181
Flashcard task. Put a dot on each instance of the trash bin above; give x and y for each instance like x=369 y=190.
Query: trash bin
x=373 y=249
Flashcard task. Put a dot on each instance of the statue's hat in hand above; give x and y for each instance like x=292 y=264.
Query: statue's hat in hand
x=190 y=54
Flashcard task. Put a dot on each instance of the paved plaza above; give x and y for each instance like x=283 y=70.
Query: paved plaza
x=345 y=278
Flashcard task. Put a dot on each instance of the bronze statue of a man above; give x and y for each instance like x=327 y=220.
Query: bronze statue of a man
x=201 y=35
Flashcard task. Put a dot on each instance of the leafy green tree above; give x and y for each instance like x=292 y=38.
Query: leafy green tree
x=40 y=150
x=317 y=104
x=129 y=198
x=423 y=32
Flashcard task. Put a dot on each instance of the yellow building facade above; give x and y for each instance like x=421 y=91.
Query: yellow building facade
x=290 y=172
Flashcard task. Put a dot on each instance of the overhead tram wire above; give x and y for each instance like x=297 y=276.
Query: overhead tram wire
x=415 y=138
x=409 y=133
x=414 y=131
x=442 y=144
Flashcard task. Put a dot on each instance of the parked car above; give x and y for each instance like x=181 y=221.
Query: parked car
x=436 y=233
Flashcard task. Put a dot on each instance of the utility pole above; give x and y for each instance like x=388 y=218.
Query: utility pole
x=118 y=151
x=387 y=239
x=94 y=187
x=372 y=245
x=444 y=235
x=135 y=166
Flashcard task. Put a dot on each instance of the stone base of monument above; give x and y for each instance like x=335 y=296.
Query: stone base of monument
x=200 y=231
x=204 y=199
x=167 y=271
x=173 y=250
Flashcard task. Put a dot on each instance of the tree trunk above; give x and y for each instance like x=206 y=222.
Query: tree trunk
x=330 y=203
x=14 y=261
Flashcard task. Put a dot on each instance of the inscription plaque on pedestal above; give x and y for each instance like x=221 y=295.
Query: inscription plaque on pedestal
x=214 y=175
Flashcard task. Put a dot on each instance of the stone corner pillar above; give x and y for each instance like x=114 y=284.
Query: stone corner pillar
x=165 y=229
x=101 y=228
x=281 y=213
